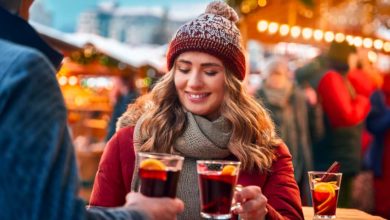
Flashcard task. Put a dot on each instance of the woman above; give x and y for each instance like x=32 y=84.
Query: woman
x=287 y=105
x=200 y=110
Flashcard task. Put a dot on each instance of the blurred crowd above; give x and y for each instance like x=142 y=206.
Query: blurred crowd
x=335 y=108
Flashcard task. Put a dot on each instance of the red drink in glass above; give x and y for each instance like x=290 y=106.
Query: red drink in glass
x=158 y=183
x=216 y=193
x=325 y=189
x=217 y=180
x=159 y=174
x=325 y=199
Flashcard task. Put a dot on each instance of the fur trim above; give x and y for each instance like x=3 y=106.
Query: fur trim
x=135 y=111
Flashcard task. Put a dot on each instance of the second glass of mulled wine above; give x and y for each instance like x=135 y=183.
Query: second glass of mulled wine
x=217 y=180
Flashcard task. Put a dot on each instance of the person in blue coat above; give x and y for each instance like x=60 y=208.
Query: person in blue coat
x=38 y=178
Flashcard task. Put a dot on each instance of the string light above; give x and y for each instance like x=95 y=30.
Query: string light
x=349 y=39
x=386 y=47
x=378 y=44
x=262 y=25
x=273 y=27
x=358 y=41
x=73 y=80
x=295 y=31
x=367 y=42
x=318 y=35
x=329 y=36
x=340 y=37
x=307 y=33
x=63 y=80
x=284 y=29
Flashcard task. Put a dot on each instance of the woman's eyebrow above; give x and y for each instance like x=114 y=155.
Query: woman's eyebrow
x=210 y=65
x=184 y=61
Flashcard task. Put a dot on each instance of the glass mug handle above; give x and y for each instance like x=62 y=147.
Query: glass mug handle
x=235 y=204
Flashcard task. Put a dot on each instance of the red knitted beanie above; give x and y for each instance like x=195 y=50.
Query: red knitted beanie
x=213 y=32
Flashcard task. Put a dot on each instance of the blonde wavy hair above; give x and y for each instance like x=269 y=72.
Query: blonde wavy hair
x=253 y=136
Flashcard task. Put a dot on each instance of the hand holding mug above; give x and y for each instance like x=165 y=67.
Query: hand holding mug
x=253 y=204
x=156 y=208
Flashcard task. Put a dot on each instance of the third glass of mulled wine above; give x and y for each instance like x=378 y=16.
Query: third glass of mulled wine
x=159 y=174
x=217 y=180
x=325 y=189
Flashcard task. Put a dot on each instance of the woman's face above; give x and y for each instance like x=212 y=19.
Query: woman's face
x=278 y=78
x=200 y=83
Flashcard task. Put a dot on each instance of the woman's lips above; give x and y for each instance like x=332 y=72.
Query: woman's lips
x=197 y=97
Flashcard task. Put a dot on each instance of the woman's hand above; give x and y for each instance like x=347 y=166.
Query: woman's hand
x=253 y=203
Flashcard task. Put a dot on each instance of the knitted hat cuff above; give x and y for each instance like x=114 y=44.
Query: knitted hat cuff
x=232 y=57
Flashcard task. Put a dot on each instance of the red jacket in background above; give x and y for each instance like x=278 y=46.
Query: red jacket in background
x=361 y=82
x=342 y=109
x=113 y=180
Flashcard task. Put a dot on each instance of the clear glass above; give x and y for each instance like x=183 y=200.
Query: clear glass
x=217 y=181
x=325 y=188
x=159 y=174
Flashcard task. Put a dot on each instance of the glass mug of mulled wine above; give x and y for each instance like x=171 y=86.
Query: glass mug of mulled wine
x=325 y=189
x=217 y=181
x=159 y=174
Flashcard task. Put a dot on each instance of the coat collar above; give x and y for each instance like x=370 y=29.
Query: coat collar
x=15 y=29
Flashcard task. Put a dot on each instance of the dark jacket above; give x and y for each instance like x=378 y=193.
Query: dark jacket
x=38 y=178
x=116 y=168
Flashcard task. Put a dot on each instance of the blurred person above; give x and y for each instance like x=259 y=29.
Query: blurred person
x=123 y=94
x=344 y=113
x=378 y=155
x=200 y=110
x=39 y=177
x=286 y=103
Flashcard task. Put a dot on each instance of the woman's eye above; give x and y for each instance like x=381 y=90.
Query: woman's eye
x=211 y=73
x=184 y=70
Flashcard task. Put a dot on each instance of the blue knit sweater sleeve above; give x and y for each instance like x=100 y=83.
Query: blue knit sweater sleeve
x=38 y=177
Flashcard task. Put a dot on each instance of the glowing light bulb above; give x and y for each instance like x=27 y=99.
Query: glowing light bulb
x=295 y=31
x=358 y=41
x=273 y=27
x=339 y=37
x=378 y=44
x=262 y=26
x=307 y=33
x=367 y=42
x=318 y=35
x=329 y=36
x=284 y=29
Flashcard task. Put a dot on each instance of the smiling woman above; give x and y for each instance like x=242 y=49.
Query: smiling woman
x=200 y=110
x=200 y=83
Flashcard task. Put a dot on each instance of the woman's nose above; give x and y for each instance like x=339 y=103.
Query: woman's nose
x=195 y=80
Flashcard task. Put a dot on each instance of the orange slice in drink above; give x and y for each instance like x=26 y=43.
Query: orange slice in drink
x=327 y=194
x=152 y=164
x=229 y=170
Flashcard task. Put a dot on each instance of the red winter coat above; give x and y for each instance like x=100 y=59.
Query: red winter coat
x=113 y=180
x=342 y=109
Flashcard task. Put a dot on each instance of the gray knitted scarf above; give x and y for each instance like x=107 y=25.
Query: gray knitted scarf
x=202 y=139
